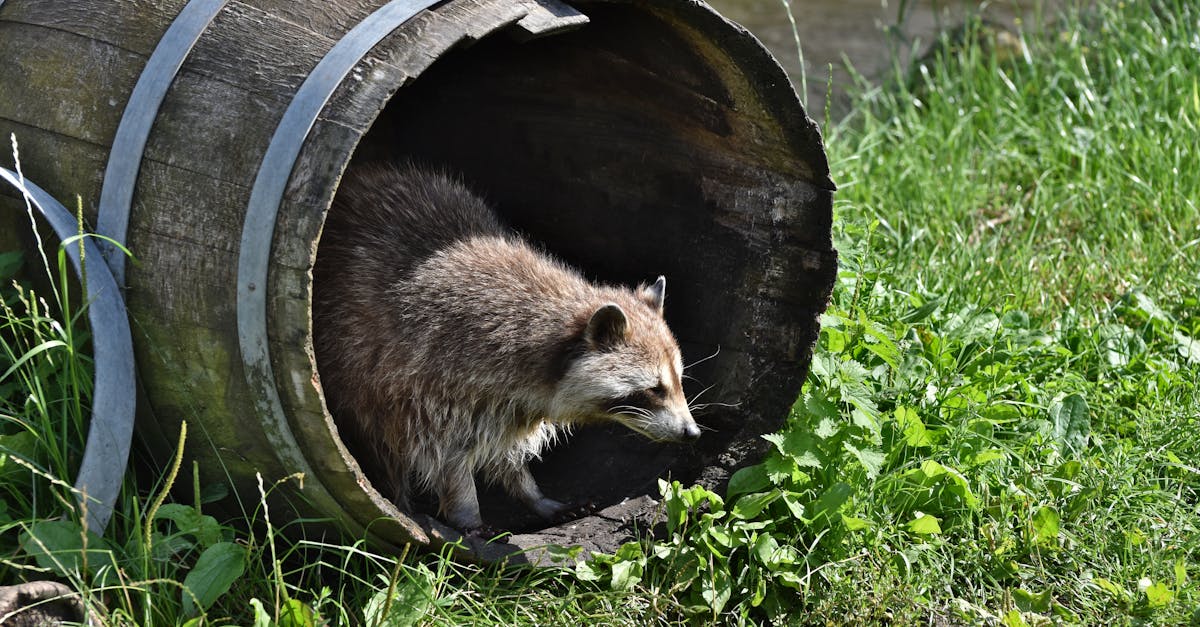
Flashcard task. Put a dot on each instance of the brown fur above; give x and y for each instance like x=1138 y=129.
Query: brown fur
x=449 y=345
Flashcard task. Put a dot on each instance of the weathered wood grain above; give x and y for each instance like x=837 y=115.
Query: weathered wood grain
x=549 y=17
x=134 y=25
x=64 y=82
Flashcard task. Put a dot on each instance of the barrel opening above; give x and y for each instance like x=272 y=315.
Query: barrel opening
x=629 y=148
x=630 y=138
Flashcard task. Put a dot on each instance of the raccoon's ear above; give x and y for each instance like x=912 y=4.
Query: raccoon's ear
x=607 y=327
x=654 y=295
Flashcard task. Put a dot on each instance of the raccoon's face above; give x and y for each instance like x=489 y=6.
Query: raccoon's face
x=628 y=370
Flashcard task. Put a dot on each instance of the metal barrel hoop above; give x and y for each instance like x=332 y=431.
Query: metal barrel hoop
x=129 y=144
x=259 y=227
x=114 y=394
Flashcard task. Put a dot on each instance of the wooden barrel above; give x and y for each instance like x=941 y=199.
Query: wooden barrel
x=630 y=138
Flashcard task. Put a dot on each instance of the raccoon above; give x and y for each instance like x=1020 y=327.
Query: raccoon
x=449 y=345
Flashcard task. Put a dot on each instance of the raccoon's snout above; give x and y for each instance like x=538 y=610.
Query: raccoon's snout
x=689 y=431
x=682 y=431
x=660 y=426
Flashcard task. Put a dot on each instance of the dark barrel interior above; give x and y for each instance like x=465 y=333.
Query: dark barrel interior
x=630 y=149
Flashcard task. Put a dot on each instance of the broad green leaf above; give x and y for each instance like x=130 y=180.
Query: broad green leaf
x=1189 y=348
x=794 y=505
x=1159 y=595
x=1119 y=344
x=1064 y=477
x=820 y=407
x=1045 y=526
x=884 y=347
x=750 y=505
x=781 y=469
x=766 y=549
x=1030 y=602
x=826 y=428
x=262 y=618
x=1013 y=619
x=800 y=447
x=910 y=424
x=62 y=547
x=774 y=438
x=823 y=366
x=630 y=551
x=215 y=571
x=865 y=418
x=759 y=586
x=716 y=589
x=937 y=481
x=213 y=492
x=749 y=479
x=676 y=507
x=988 y=455
x=412 y=599
x=922 y=311
x=1000 y=413
x=1110 y=587
x=23 y=445
x=1004 y=569
x=296 y=613
x=872 y=461
x=1068 y=617
x=1149 y=308
x=586 y=572
x=187 y=520
x=626 y=575
x=1072 y=424
x=924 y=524
x=833 y=340
x=854 y=524
x=1181 y=577
x=720 y=536
x=832 y=501
x=790 y=579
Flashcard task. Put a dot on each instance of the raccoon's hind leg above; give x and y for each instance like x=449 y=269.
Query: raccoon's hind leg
x=457 y=499
x=519 y=482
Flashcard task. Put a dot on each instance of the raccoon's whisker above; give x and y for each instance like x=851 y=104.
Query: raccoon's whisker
x=692 y=400
x=639 y=422
x=707 y=405
x=689 y=377
x=704 y=359
x=630 y=410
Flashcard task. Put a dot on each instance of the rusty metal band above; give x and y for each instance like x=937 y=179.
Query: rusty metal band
x=259 y=227
x=129 y=144
x=107 y=452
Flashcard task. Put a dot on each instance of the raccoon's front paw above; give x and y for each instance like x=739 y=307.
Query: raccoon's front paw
x=487 y=533
x=548 y=509
x=575 y=511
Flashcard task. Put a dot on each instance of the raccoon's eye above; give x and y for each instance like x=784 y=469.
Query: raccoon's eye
x=658 y=391
x=642 y=399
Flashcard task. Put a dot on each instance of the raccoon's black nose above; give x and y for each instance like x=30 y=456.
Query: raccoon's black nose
x=691 y=432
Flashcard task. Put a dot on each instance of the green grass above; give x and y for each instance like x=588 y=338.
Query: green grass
x=1000 y=426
